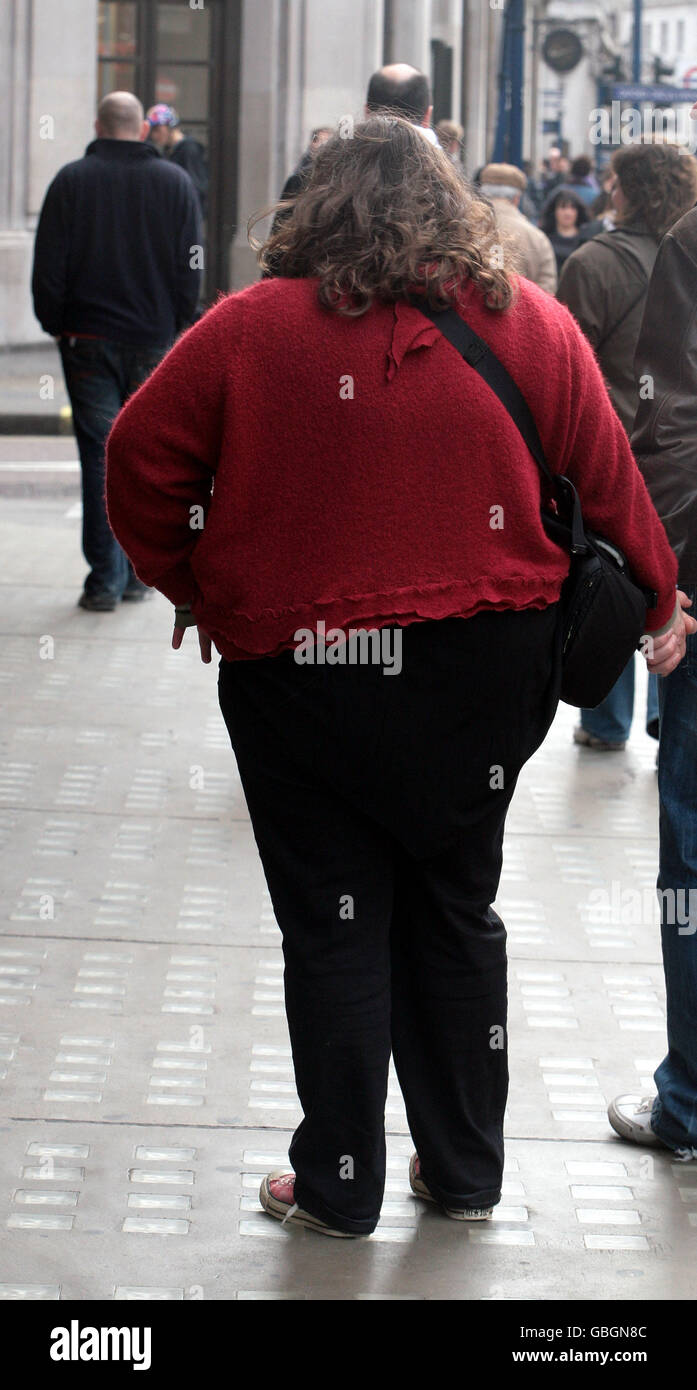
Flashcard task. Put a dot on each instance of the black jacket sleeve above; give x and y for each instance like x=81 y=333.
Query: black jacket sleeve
x=189 y=255
x=50 y=271
x=190 y=156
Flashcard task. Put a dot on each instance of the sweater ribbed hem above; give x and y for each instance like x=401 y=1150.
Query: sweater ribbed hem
x=239 y=637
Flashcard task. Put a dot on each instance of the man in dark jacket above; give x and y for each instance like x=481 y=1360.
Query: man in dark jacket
x=116 y=277
x=665 y=443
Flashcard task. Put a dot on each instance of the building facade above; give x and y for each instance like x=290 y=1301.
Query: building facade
x=668 y=32
x=561 y=111
x=252 y=78
x=249 y=78
x=566 y=99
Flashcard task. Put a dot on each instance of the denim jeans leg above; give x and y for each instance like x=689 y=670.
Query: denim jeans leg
x=92 y=380
x=674 y=1115
x=137 y=364
x=612 y=719
x=652 y=713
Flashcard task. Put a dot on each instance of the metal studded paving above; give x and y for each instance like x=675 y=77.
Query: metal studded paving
x=145 y=1073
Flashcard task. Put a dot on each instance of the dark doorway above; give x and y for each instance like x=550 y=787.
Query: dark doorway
x=188 y=57
x=442 y=79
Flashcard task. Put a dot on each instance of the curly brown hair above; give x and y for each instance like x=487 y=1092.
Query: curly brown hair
x=384 y=214
x=659 y=181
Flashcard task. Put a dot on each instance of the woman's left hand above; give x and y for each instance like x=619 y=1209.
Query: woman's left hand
x=204 y=642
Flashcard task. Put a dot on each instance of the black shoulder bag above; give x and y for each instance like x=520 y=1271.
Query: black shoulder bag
x=602 y=608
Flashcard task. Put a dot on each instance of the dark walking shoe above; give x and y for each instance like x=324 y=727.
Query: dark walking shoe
x=277 y=1197
x=420 y=1189
x=601 y=745
x=97 y=603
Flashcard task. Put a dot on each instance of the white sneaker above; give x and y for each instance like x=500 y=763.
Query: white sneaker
x=630 y=1117
x=420 y=1189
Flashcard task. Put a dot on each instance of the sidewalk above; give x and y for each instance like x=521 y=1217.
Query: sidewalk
x=145 y=1074
x=33 y=398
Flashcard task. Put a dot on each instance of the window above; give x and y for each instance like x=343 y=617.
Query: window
x=189 y=58
x=117 y=42
x=183 y=34
x=680 y=38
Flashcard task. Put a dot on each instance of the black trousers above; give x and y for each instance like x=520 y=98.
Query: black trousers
x=378 y=805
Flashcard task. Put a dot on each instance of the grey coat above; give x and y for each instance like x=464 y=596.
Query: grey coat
x=604 y=283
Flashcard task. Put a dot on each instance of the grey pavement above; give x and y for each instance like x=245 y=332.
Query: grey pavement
x=33 y=465
x=146 y=1080
x=33 y=398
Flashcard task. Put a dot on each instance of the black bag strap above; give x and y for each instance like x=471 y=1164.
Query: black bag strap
x=598 y=347
x=479 y=355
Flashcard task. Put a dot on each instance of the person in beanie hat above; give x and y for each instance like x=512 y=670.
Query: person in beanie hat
x=168 y=137
x=529 y=249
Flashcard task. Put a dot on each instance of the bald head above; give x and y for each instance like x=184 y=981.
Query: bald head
x=401 y=89
x=120 y=117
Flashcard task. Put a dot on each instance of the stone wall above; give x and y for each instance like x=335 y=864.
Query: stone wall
x=47 y=102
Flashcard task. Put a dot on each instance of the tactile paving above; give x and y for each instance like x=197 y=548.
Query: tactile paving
x=146 y=1080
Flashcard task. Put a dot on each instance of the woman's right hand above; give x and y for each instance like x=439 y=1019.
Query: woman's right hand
x=666 y=652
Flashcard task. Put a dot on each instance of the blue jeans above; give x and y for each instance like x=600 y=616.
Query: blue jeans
x=100 y=376
x=612 y=719
x=674 y=1115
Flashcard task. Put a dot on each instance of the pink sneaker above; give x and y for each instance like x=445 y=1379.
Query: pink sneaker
x=277 y=1197
x=420 y=1189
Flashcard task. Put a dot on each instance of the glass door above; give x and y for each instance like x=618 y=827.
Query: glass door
x=117 y=48
x=188 y=57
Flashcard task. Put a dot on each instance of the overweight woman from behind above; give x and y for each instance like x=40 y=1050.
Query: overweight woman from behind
x=365 y=478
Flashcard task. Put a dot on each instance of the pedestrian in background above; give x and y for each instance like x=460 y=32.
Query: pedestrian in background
x=582 y=181
x=297 y=179
x=450 y=137
x=403 y=91
x=531 y=200
x=665 y=442
x=604 y=284
x=397 y=88
x=562 y=219
x=347 y=460
x=602 y=211
x=533 y=256
x=115 y=278
x=168 y=137
x=555 y=171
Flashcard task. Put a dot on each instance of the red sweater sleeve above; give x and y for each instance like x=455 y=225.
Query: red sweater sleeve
x=597 y=457
x=162 y=454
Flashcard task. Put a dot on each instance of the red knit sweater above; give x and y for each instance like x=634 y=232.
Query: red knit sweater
x=364 y=474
